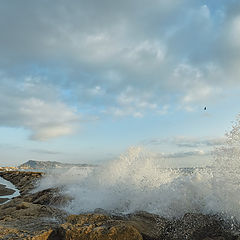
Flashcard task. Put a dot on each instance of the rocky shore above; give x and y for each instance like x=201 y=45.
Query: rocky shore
x=37 y=216
x=4 y=191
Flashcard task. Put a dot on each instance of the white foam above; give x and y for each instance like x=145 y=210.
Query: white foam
x=136 y=181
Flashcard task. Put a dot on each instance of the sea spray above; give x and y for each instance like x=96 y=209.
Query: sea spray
x=138 y=181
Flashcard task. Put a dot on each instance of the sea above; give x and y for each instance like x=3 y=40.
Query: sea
x=136 y=181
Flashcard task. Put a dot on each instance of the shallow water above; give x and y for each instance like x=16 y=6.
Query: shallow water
x=10 y=186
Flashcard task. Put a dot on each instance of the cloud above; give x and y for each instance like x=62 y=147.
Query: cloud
x=122 y=59
x=200 y=142
x=47 y=120
x=35 y=107
x=187 y=142
x=186 y=154
x=48 y=152
x=195 y=87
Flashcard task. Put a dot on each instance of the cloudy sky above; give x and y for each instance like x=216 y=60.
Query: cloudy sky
x=81 y=81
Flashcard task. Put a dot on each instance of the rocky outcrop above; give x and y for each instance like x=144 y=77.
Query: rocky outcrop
x=199 y=227
x=50 y=196
x=140 y=226
x=24 y=181
x=34 y=216
x=31 y=215
x=95 y=226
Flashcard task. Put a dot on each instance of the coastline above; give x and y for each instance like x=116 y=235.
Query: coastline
x=40 y=216
x=5 y=193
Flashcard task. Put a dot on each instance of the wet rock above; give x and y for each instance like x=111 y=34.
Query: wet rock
x=5 y=191
x=198 y=227
x=151 y=226
x=50 y=196
x=3 y=200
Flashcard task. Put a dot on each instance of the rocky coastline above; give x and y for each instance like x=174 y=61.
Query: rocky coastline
x=39 y=216
x=4 y=191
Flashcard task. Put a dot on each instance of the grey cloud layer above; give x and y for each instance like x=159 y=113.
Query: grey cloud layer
x=187 y=142
x=187 y=154
x=119 y=58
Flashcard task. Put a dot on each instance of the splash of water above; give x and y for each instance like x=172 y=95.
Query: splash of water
x=137 y=181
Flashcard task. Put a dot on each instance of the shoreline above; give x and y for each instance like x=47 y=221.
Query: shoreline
x=5 y=194
x=40 y=216
x=7 y=191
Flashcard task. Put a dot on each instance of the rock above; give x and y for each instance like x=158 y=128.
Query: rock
x=196 y=226
x=41 y=236
x=34 y=216
x=50 y=196
x=95 y=226
x=30 y=213
x=216 y=238
x=151 y=226
x=24 y=181
x=10 y=233
x=5 y=191
x=3 y=200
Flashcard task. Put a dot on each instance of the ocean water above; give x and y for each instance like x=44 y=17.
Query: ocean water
x=137 y=181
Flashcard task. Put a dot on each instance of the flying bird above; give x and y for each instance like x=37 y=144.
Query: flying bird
x=205 y=108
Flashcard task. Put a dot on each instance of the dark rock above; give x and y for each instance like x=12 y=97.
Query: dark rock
x=151 y=226
x=4 y=191
x=196 y=226
x=50 y=196
x=3 y=200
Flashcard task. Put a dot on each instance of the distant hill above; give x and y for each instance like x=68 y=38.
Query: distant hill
x=32 y=164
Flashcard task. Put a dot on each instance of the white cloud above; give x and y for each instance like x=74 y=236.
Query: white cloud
x=235 y=32
x=131 y=103
x=195 y=87
x=28 y=105
x=205 y=11
x=180 y=53
x=47 y=120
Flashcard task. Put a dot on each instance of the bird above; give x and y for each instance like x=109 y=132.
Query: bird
x=205 y=108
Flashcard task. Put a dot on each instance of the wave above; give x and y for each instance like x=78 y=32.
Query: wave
x=136 y=181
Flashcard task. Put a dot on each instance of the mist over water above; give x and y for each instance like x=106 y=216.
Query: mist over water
x=137 y=181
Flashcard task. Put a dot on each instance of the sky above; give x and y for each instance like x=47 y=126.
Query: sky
x=82 y=81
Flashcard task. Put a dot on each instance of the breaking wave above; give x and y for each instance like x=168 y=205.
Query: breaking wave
x=136 y=181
